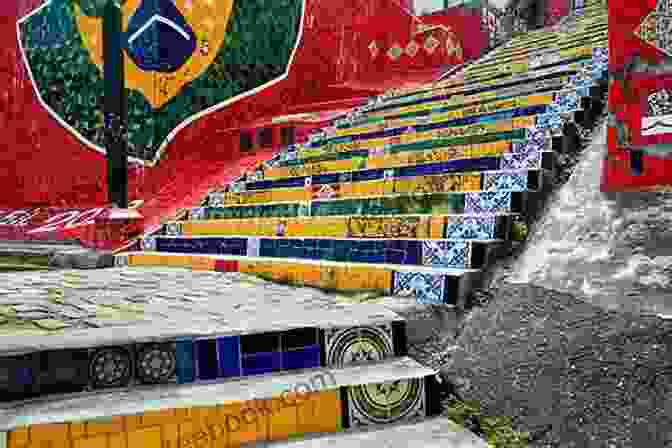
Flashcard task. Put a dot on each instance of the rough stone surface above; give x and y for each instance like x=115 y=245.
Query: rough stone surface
x=571 y=373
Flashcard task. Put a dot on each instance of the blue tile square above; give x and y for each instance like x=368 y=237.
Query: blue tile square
x=306 y=358
x=228 y=353
x=184 y=351
x=259 y=363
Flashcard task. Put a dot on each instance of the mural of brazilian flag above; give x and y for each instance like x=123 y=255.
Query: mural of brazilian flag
x=182 y=58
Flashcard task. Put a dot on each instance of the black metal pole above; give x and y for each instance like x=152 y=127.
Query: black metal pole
x=115 y=105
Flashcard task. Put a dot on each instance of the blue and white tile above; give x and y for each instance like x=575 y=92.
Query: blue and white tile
x=446 y=254
x=425 y=287
x=505 y=181
x=488 y=202
x=471 y=227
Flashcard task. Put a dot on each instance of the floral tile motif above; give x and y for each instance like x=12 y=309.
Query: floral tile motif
x=425 y=287
x=353 y=345
x=197 y=213
x=386 y=403
x=470 y=227
x=446 y=254
x=487 y=202
x=523 y=160
x=505 y=181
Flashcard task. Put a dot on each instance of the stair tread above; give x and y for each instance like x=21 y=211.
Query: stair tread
x=138 y=400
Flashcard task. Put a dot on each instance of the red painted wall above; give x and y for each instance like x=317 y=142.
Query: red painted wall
x=556 y=10
x=42 y=163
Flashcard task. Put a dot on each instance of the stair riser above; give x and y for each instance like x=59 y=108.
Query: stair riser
x=314 y=407
x=437 y=254
x=434 y=227
x=196 y=359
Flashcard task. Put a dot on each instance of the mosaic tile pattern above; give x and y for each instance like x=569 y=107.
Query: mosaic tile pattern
x=216 y=199
x=524 y=160
x=385 y=403
x=551 y=120
x=357 y=345
x=120 y=260
x=487 y=202
x=565 y=103
x=425 y=287
x=538 y=139
x=253 y=245
x=505 y=181
x=467 y=227
x=446 y=254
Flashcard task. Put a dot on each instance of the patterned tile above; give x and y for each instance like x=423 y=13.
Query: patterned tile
x=446 y=254
x=467 y=227
x=120 y=260
x=345 y=346
x=505 y=181
x=385 y=403
x=551 y=120
x=524 y=160
x=425 y=287
x=564 y=103
x=487 y=202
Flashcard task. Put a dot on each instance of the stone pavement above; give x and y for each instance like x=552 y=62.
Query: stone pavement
x=118 y=305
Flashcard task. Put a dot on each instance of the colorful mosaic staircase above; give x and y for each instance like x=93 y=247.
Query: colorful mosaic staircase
x=250 y=368
x=415 y=193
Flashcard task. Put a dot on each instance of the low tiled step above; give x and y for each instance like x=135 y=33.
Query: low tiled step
x=477 y=202
x=447 y=158
x=483 y=227
x=441 y=253
x=435 y=432
x=255 y=409
x=427 y=285
x=192 y=327
x=367 y=183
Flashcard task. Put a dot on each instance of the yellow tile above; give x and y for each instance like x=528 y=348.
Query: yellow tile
x=437 y=227
x=58 y=433
x=132 y=422
x=77 y=430
x=154 y=418
x=202 y=263
x=145 y=438
x=91 y=442
x=170 y=435
x=321 y=413
x=18 y=437
x=283 y=420
x=119 y=440
x=113 y=424
x=244 y=425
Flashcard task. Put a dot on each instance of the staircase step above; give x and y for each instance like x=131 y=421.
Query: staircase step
x=484 y=227
x=426 y=284
x=475 y=202
x=431 y=253
x=204 y=326
x=318 y=401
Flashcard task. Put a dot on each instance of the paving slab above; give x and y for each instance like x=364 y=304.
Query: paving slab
x=74 y=309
